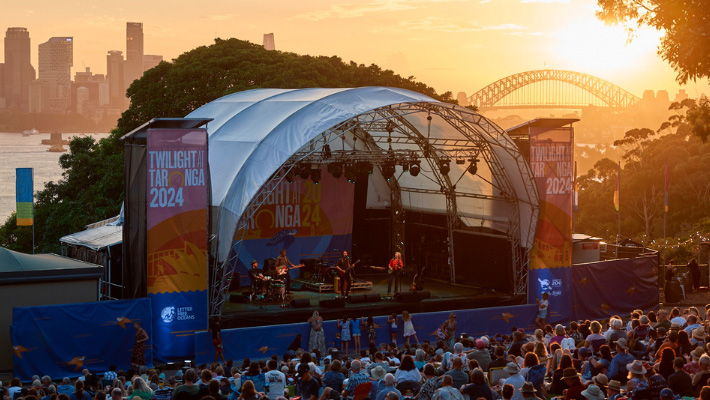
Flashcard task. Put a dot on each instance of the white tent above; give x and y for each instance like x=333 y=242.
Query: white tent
x=254 y=133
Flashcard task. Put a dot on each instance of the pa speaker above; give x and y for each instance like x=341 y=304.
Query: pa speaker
x=300 y=303
x=407 y=297
x=373 y=298
x=424 y=294
x=238 y=298
x=358 y=298
x=333 y=303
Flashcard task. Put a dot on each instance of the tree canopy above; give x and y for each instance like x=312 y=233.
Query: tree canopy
x=686 y=41
x=92 y=185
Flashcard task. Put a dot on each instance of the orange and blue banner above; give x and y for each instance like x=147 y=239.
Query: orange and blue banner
x=551 y=160
x=177 y=223
x=62 y=340
x=24 y=196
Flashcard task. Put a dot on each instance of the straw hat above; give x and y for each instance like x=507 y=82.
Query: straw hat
x=636 y=367
x=527 y=388
x=569 y=373
x=699 y=351
x=614 y=385
x=593 y=393
x=675 y=326
x=512 y=368
x=699 y=333
x=623 y=343
x=601 y=381
x=378 y=373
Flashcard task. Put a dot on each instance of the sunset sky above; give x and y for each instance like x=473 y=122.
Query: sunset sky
x=454 y=45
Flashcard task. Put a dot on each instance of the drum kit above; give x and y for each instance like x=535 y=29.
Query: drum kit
x=272 y=289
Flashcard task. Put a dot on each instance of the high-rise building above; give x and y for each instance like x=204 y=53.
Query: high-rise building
x=56 y=57
x=19 y=72
x=86 y=92
x=116 y=80
x=150 y=61
x=134 y=52
x=269 y=41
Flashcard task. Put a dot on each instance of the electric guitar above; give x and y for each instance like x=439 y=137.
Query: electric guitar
x=349 y=272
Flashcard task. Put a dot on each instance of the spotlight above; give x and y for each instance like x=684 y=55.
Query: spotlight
x=460 y=161
x=444 y=166
x=289 y=176
x=315 y=175
x=304 y=170
x=414 y=168
x=350 y=173
x=473 y=168
x=364 y=167
x=336 y=169
x=388 y=169
x=326 y=150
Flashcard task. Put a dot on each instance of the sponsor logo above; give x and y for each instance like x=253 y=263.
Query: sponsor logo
x=168 y=314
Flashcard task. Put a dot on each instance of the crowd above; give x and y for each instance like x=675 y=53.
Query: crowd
x=651 y=356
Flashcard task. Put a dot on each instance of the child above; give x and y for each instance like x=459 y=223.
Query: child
x=371 y=331
x=409 y=327
x=542 y=310
x=355 y=328
x=392 y=320
x=344 y=326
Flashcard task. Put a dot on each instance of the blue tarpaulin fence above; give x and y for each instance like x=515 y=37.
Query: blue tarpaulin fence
x=61 y=340
x=263 y=341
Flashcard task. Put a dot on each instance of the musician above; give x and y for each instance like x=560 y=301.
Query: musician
x=345 y=272
x=282 y=264
x=257 y=278
x=394 y=269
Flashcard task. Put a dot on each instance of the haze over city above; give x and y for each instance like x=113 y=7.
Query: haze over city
x=448 y=44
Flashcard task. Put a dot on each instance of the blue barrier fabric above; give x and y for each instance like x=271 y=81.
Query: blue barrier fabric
x=62 y=340
x=606 y=288
x=263 y=341
x=556 y=282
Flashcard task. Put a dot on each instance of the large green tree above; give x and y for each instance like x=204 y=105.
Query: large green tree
x=92 y=184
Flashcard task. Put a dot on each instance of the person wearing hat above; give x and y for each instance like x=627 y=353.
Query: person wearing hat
x=528 y=391
x=617 y=367
x=601 y=381
x=257 y=279
x=613 y=390
x=480 y=354
x=637 y=377
x=667 y=394
x=514 y=378
x=574 y=384
x=377 y=375
x=593 y=393
x=308 y=385
x=699 y=335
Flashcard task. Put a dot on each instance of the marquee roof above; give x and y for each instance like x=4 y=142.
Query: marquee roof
x=253 y=133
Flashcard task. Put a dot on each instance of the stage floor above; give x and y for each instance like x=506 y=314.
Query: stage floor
x=444 y=296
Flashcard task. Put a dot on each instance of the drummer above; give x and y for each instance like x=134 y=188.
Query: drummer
x=257 y=278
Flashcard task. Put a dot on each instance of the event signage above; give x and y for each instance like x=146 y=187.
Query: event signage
x=309 y=220
x=551 y=161
x=177 y=222
x=62 y=340
x=24 y=196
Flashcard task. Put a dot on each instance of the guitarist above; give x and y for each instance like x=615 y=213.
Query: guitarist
x=394 y=269
x=344 y=268
x=282 y=264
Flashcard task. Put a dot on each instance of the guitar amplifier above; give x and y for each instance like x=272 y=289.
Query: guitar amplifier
x=269 y=265
x=336 y=284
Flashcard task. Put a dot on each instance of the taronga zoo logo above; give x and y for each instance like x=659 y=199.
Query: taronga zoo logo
x=168 y=314
x=553 y=287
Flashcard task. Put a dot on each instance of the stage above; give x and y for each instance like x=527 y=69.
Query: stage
x=441 y=296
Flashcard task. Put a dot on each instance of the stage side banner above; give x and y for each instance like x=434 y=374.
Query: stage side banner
x=62 y=340
x=309 y=220
x=605 y=288
x=551 y=160
x=24 y=196
x=177 y=197
x=263 y=341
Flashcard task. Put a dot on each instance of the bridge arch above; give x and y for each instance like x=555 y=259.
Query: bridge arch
x=609 y=94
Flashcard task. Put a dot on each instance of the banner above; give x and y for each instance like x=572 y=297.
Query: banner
x=61 y=340
x=261 y=342
x=606 y=288
x=551 y=157
x=24 y=196
x=177 y=197
x=305 y=218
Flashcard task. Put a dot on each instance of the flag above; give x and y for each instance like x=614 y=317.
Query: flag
x=24 y=197
x=617 y=190
x=575 y=187
x=666 y=188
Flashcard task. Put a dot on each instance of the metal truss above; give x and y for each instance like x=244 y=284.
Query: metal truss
x=371 y=130
x=609 y=94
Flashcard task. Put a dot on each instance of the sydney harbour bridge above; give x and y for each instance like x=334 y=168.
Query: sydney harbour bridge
x=549 y=88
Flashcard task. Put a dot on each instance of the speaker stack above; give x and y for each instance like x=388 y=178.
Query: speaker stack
x=337 y=302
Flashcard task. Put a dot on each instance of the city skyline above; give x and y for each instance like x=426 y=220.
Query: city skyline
x=433 y=40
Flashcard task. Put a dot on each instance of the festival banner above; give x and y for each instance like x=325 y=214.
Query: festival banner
x=551 y=160
x=309 y=220
x=62 y=340
x=24 y=196
x=177 y=222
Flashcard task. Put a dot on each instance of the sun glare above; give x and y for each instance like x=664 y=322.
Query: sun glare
x=588 y=45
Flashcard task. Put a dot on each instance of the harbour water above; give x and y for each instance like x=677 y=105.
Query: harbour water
x=17 y=151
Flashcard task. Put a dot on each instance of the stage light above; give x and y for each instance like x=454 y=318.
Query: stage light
x=289 y=176
x=350 y=173
x=460 y=161
x=473 y=167
x=336 y=169
x=304 y=170
x=388 y=169
x=414 y=168
x=326 y=150
x=364 y=167
x=315 y=175
x=444 y=166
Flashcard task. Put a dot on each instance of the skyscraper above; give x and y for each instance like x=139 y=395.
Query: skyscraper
x=18 y=69
x=116 y=80
x=150 y=61
x=269 y=41
x=134 y=52
x=56 y=57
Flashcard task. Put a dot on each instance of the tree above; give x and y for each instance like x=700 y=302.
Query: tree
x=686 y=43
x=92 y=184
